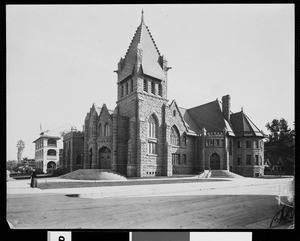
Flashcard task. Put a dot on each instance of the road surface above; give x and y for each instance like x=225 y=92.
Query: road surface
x=246 y=203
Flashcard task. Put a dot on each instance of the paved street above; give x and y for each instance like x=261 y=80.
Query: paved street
x=235 y=203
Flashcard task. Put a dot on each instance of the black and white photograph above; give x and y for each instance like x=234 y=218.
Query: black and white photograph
x=150 y=116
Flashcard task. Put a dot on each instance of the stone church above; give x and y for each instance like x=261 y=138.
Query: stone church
x=145 y=135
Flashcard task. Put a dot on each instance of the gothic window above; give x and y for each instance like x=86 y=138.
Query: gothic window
x=152 y=133
x=230 y=147
x=153 y=88
x=51 y=152
x=175 y=140
x=127 y=89
x=160 y=89
x=100 y=130
x=152 y=127
x=131 y=86
x=145 y=85
x=174 y=112
x=106 y=129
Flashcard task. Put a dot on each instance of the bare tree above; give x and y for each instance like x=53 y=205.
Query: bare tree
x=20 y=146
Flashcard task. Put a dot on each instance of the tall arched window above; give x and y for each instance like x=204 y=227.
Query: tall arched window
x=145 y=85
x=152 y=133
x=100 y=130
x=131 y=86
x=175 y=140
x=160 y=89
x=152 y=127
x=153 y=88
x=106 y=129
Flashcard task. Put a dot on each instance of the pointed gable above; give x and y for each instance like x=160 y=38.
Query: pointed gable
x=243 y=126
x=143 y=47
x=210 y=117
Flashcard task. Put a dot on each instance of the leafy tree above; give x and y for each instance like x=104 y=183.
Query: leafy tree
x=280 y=148
x=20 y=146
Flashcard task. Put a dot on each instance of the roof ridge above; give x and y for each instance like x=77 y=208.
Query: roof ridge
x=202 y=105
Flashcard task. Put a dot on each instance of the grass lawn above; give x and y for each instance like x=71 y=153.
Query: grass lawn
x=75 y=184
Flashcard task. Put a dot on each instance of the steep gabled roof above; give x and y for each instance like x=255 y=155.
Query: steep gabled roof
x=243 y=126
x=142 y=41
x=189 y=122
x=210 y=117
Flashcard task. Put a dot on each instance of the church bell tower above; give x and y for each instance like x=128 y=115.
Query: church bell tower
x=142 y=92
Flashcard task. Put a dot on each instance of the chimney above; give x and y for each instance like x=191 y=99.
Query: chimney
x=226 y=107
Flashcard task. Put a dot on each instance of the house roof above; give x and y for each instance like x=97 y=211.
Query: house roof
x=243 y=126
x=189 y=122
x=210 y=117
x=46 y=137
x=142 y=42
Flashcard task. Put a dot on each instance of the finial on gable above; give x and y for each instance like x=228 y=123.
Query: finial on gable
x=142 y=20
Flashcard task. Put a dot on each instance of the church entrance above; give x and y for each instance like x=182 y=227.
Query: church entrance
x=215 y=162
x=104 y=158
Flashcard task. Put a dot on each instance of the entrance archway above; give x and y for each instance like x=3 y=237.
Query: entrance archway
x=51 y=166
x=215 y=162
x=104 y=158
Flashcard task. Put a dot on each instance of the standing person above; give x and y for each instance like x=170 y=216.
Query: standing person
x=33 y=179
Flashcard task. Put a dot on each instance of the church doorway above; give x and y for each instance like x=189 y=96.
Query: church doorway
x=104 y=158
x=215 y=162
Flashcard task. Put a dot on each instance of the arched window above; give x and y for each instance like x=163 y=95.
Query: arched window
x=127 y=89
x=152 y=127
x=160 y=90
x=153 y=88
x=145 y=85
x=51 y=152
x=106 y=129
x=131 y=86
x=100 y=130
x=175 y=140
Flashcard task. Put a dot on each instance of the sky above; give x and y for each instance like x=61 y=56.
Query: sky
x=61 y=59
